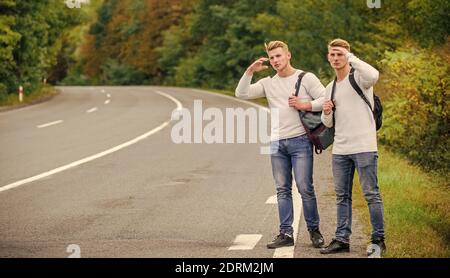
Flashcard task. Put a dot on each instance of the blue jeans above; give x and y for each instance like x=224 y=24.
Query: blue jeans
x=287 y=155
x=343 y=171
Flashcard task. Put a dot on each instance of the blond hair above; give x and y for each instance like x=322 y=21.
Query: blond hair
x=339 y=43
x=276 y=44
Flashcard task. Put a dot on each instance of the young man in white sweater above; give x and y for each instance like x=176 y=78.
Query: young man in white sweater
x=291 y=149
x=355 y=145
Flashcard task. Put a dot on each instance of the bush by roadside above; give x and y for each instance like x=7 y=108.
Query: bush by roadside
x=11 y=101
x=416 y=84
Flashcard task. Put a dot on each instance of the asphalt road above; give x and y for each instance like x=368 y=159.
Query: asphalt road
x=96 y=168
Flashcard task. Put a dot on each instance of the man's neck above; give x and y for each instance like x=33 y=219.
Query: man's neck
x=342 y=72
x=287 y=71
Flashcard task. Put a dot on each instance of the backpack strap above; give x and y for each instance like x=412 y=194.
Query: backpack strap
x=333 y=90
x=355 y=86
x=299 y=82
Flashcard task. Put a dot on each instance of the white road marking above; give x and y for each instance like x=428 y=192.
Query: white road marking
x=108 y=95
x=103 y=91
x=49 y=124
x=288 y=252
x=245 y=242
x=235 y=99
x=178 y=103
x=107 y=101
x=92 y=110
x=95 y=156
x=272 y=200
x=284 y=252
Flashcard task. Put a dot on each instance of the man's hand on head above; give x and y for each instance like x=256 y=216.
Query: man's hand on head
x=342 y=50
x=257 y=66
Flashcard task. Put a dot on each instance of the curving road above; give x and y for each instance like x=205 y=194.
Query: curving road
x=96 y=168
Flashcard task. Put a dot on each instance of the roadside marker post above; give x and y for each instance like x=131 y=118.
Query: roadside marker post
x=20 y=93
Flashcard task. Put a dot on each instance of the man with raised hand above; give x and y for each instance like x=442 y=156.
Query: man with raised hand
x=291 y=150
x=355 y=144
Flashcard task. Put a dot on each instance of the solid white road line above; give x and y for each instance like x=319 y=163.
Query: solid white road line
x=49 y=124
x=233 y=98
x=272 y=200
x=92 y=110
x=245 y=242
x=107 y=101
x=177 y=102
x=95 y=156
x=288 y=252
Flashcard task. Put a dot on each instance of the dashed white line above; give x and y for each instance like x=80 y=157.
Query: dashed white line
x=92 y=110
x=245 y=242
x=288 y=252
x=107 y=101
x=49 y=124
x=272 y=200
x=284 y=252
x=95 y=156
x=108 y=95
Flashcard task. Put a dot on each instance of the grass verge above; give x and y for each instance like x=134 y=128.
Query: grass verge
x=11 y=101
x=416 y=206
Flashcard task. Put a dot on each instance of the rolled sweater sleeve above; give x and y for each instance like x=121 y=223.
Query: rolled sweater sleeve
x=327 y=120
x=317 y=93
x=246 y=90
x=365 y=74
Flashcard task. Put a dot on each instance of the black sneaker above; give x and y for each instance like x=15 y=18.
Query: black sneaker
x=316 y=238
x=335 y=246
x=281 y=240
x=376 y=249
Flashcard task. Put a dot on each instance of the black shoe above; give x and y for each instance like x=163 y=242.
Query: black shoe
x=376 y=249
x=281 y=240
x=316 y=238
x=335 y=246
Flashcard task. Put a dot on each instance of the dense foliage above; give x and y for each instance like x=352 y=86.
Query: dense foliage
x=31 y=34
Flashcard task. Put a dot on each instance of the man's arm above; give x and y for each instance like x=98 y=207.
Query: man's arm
x=327 y=119
x=327 y=112
x=246 y=90
x=365 y=74
x=317 y=92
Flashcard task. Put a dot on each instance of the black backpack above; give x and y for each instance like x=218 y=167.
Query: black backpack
x=377 y=110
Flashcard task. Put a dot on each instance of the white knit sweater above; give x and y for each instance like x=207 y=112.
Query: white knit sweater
x=355 y=126
x=277 y=91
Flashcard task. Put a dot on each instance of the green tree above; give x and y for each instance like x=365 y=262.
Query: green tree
x=417 y=115
x=129 y=33
x=220 y=43
x=30 y=35
x=9 y=40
